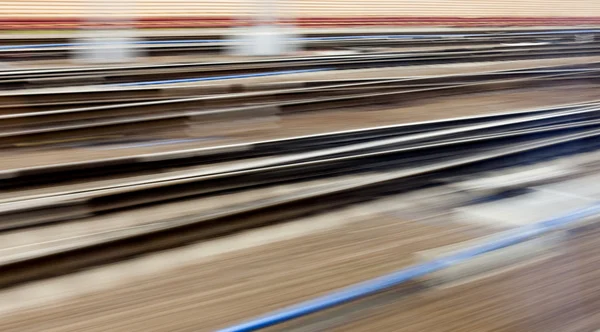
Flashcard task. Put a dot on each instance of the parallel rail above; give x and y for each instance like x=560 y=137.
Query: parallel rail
x=133 y=117
x=382 y=166
x=198 y=72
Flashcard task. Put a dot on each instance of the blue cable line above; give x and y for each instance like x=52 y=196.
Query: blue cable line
x=372 y=286
x=224 y=77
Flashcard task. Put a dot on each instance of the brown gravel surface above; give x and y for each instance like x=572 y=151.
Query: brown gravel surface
x=560 y=294
x=212 y=292
x=260 y=271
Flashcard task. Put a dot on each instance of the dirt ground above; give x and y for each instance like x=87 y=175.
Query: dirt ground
x=247 y=274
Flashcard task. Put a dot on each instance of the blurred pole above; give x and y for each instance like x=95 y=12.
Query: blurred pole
x=108 y=32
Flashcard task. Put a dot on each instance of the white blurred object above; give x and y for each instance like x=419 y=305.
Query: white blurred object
x=266 y=37
x=264 y=40
x=108 y=45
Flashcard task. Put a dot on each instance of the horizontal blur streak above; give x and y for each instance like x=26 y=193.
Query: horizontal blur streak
x=192 y=165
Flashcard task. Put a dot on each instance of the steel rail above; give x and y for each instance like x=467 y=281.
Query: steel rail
x=283 y=107
x=251 y=173
x=256 y=147
x=171 y=233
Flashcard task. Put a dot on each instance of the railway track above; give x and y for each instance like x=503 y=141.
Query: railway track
x=32 y=100
x=33 y=123
x=49 y=48
x=140 y=75
x=37 y=96
x=67 y=217
x=261 y=148
x=382 y=167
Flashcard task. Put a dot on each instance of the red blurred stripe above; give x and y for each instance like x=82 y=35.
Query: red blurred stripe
x=208 y=22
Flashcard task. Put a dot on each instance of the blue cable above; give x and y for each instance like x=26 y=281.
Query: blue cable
x=372 y=286
x=225 y=77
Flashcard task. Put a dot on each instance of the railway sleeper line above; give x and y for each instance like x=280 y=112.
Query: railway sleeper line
x=186 y=230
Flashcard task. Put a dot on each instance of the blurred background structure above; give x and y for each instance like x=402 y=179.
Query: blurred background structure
x=69 y=14
x=299 y=165
x=267 y=26
x=112 y=37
